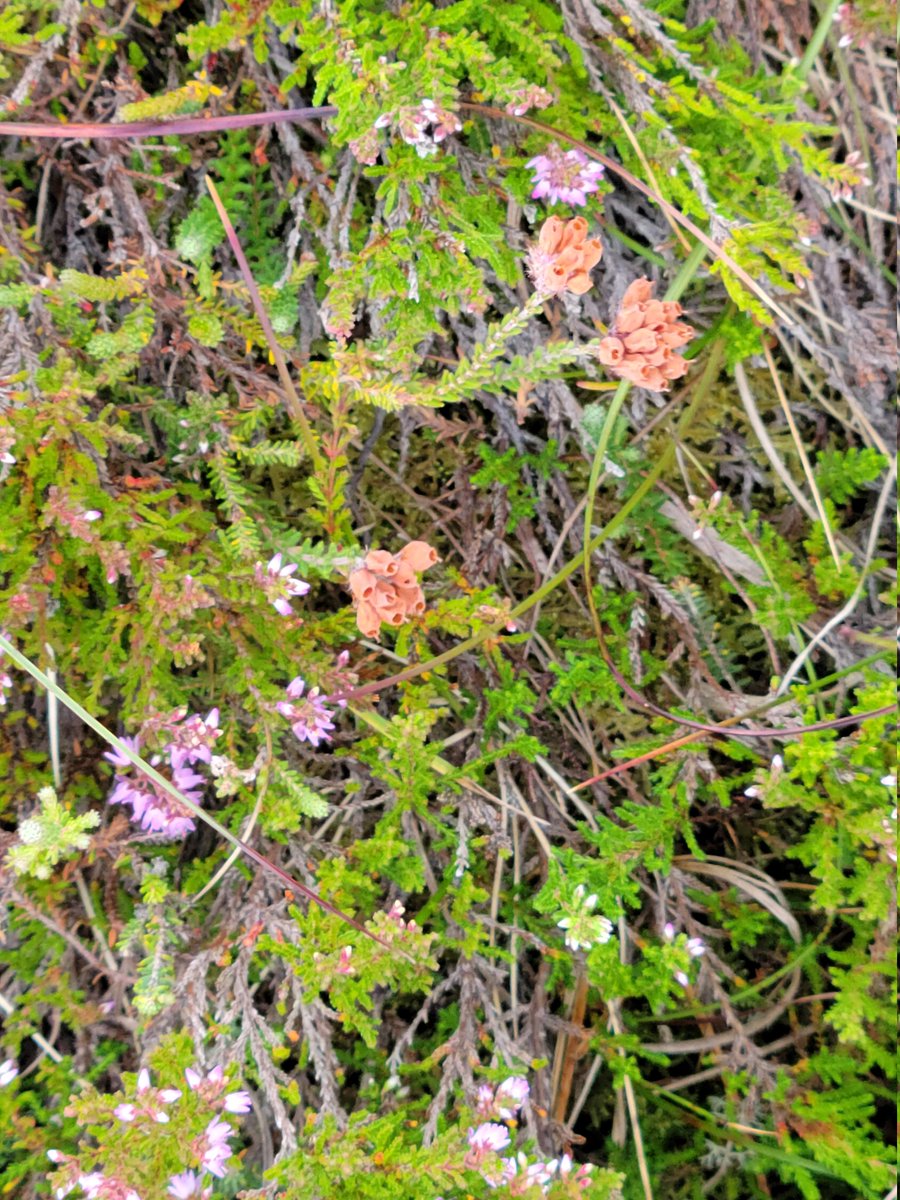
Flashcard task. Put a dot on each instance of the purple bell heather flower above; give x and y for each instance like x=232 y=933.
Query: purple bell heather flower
x=564 y=176
x=117 y=758
x=188 y=1186
x=8 y=1072
x=277 y=585
x=310 y=716
x=152 y=807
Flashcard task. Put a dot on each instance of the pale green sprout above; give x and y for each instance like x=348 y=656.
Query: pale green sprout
x=50 y=835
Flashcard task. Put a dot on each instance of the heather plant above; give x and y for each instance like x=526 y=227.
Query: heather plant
x=445 y=620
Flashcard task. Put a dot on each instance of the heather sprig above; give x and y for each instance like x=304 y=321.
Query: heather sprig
x=154 y=1142
x=48 y=836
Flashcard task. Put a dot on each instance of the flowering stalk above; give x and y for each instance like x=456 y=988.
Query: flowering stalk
x=167 y=786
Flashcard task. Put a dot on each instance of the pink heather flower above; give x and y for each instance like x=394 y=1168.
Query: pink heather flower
x=74 y=518
x=196 y=737
x=91 y=1184
x=345 y=967
x=695 y=947
x=564 y=176
x=215 y=1149
x=488 y=1138
x=511 y=1095
x=148 y=1101
x=424 y=126
x=524 y=98
x=8 y=1072
x=238 y=1102
x=520 y=1176
x=115 y=560
x=5 y=685
x=151 y=807
x=310 y=716
x=855 y=174
x=117 y=758
x=211 y=1087
x=277 y=585
x=188 y=1186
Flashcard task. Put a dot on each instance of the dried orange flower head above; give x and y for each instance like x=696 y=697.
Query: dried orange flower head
x=643 y=344
x=562 y=258
x=386 y=589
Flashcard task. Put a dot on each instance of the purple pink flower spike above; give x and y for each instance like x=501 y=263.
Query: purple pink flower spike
x=564 y=176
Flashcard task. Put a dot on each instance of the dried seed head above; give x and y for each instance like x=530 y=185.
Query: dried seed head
x=386 y=590
x=641 y=346
x=562 y=258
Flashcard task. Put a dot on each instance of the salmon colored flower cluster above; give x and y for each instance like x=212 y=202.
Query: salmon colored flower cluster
x=562 y=258
x=643 y=342
x=386 y=589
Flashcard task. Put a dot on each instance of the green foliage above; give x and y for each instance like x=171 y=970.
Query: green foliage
x=506 y=471
x=840 y=474
x=50 y=835
x=530 y=849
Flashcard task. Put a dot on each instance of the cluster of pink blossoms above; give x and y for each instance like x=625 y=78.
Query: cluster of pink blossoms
x=277 y=585
x=423 y=126
x=211 y=1150
x=190 y=741
x=486 y=1140
x=564 y=176
x=60 y=509
x=309 y=715
x=308 y=710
